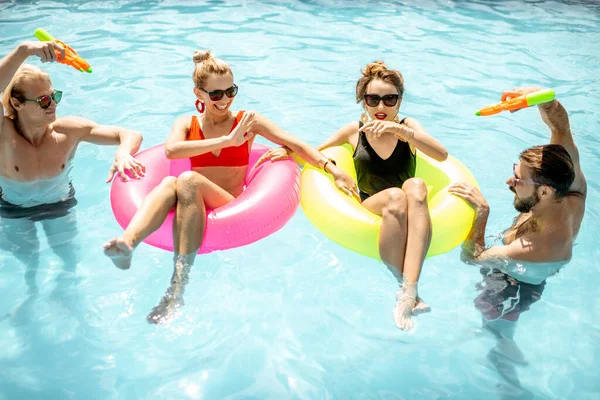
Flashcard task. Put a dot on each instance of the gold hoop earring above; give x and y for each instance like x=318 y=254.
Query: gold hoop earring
x=364 y=118
x=396 y=119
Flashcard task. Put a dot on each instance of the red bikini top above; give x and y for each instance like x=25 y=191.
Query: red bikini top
x=234 y=156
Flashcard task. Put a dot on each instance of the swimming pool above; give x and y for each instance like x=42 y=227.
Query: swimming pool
x=295 y=315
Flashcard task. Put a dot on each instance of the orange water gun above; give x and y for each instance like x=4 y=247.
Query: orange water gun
x=71 y=56
x=516 y=103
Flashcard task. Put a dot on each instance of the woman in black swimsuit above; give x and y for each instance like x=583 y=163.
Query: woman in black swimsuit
x=385 y=160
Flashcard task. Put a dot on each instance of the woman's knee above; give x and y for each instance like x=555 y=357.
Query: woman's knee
x=415 y=190
x=169 y=182
x=396 y=203
x=189 y=183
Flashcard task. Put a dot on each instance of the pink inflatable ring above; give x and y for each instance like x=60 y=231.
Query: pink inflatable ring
x=269 y=200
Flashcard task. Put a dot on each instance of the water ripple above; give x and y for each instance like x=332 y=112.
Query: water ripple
x=295 y=315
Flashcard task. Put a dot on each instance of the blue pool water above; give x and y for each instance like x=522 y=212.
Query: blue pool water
x=295 y=315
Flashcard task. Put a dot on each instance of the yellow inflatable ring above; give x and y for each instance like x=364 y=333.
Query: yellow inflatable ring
x=345 y=221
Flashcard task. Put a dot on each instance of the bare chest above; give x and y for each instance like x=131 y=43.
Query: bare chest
x=518 y=227
x=24 y=162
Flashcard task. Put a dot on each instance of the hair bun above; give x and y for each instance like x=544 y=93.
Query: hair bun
x=201 y=56
x=375 y=67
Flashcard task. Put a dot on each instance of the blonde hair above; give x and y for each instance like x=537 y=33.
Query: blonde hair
x=378 y=70
x=16 y=87
x=206 y=65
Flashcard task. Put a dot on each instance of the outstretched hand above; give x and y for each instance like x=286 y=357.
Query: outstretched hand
x=126 y=163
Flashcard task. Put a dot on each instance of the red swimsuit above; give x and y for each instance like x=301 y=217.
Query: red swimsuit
x=234 y=156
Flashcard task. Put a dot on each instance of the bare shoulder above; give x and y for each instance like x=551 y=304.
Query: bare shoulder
x=351 y=127
x=253 y=112
x=257 y=116
x=414 y=124
x=181 y=127
x=260 y=120
x=349 y=133
x=183 y=121
x=73 y=125
x=349 y=130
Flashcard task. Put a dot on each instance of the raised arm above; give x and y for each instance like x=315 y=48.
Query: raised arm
x=556 y=118
x=128 y=140
x=46 y=51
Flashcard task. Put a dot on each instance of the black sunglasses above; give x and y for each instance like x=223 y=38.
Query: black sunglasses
x=45 y=101
x=217 y=95
x=389 y=100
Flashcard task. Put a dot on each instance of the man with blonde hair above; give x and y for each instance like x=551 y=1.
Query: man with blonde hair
x=36 y=150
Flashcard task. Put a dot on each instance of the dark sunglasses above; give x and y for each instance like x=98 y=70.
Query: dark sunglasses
x=45 y=101
x=389 y=100
x=217 y=95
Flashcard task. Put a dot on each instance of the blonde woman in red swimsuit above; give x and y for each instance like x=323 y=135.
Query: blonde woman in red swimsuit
x=218 y=144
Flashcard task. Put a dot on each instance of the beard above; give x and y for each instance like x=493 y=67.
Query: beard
x=524 y=205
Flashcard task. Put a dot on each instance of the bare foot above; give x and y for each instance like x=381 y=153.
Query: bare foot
x=120 y=252
x=420 y=307
x=408 y=304
x=403 y=312
x=166 y=310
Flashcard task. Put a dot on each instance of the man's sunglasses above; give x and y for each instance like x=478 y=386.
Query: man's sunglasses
x=389 y=100
x=517 y=180
x=45 y=101
x=217 y=95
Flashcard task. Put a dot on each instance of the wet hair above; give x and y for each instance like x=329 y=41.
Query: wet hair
x=16 y=87
x=378 y=70
x=206 y=65
x=550 y=165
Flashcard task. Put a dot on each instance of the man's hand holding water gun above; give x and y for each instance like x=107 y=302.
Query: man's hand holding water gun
x=47 y=51
x=66 y=56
